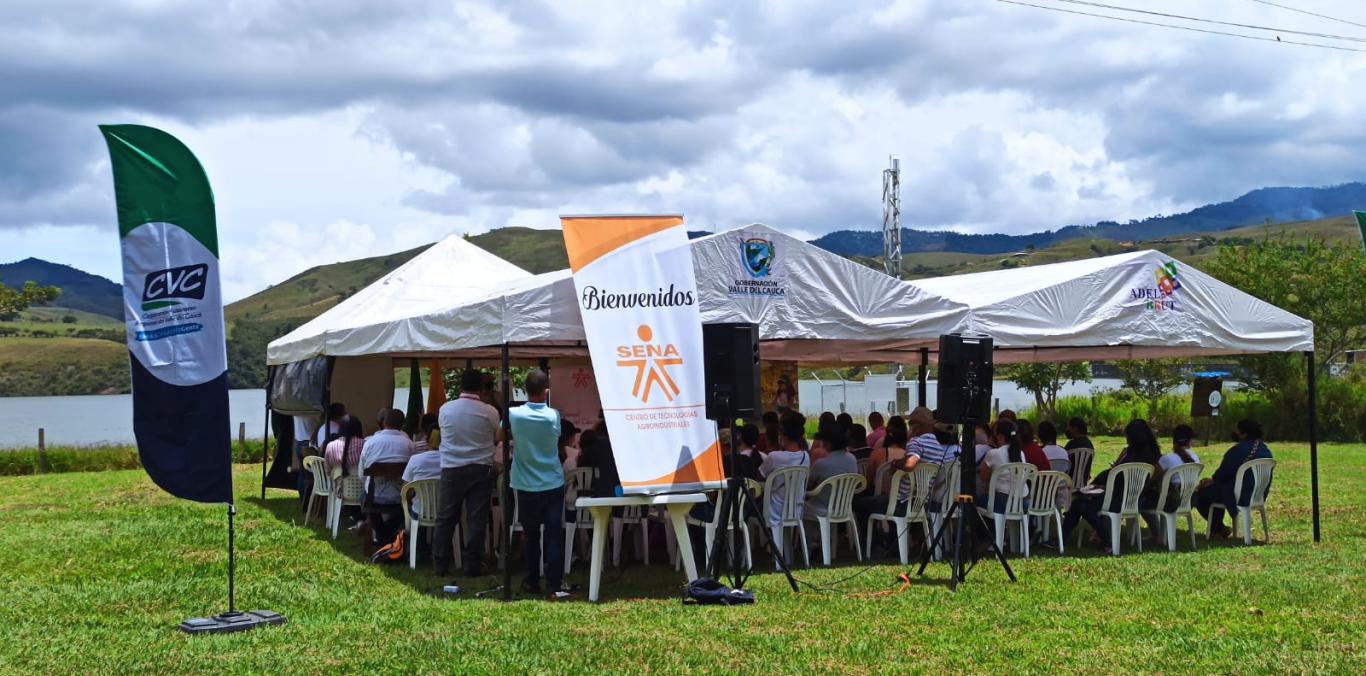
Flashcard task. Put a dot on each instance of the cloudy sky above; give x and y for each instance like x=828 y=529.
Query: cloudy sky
x=339 y=129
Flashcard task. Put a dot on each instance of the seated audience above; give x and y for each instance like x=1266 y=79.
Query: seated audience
x=344 y=451
x=858 y=442
x=569 y=450
x=1007 y=449
x=389 y=445
x=421 y=466
x=599 y=455
x=877 y=430
x=896 y=422
x=1007 y=415
x=1141 y=446
x=768 y=439
x=1076 y=435
x=1033 y=451
x=794 y=418
x=750 y=457
x=791 y=454
x=326 y=433
x=982 y=437
x=845 y=421
x=422 y=438
x=1220 y=488
x=899 y=454
x=827 y=418
x=1058 y=459
x=1182 y=436
x=835 y=460
x=947 y=436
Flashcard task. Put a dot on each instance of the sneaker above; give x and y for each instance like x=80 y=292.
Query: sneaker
x=558 y=596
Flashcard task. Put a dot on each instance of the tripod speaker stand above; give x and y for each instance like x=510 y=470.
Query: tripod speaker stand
x=965 y=372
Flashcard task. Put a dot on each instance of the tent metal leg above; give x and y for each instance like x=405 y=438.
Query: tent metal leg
x=1313 y=440
x=506 y=500
x=922 y=386
x=265 y=434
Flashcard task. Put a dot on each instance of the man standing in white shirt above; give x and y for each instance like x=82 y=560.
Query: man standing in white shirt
x=389 y=445
x=335 y=412
x=469 y=431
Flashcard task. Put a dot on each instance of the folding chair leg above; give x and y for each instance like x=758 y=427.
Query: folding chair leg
x=1115 y=526
x=569 y=528
x=806 y=548
x=903 y=541
x=617 y=527
x=1170 y=521
x=1266 y=529
x=777 y=544
x=853 y=535
x=412 y=545
x=1057 y=518
x=644 y=527
x=1190 y=525
x=1246 y=516
x=826 y=544
x=869 y=543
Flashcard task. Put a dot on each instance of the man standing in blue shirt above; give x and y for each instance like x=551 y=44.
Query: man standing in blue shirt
x=539 y=481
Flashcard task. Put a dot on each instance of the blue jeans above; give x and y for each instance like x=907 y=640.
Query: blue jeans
x=537 y=509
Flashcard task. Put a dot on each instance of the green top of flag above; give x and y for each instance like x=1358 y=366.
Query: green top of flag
x=158 y=180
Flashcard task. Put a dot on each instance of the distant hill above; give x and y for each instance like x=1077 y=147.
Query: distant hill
x=80 y=290
x=1259 y=207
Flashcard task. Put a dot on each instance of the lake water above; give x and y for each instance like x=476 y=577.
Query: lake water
x=102 y=419
x=79 y=421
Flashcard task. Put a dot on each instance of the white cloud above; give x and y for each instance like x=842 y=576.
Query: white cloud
x=353 y=128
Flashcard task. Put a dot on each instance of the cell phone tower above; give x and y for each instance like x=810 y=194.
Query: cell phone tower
x=891 y=218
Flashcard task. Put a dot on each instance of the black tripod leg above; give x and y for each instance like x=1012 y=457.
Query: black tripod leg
x=957 y=569
x=719 y=540
x=995 y=551
x=938 y=536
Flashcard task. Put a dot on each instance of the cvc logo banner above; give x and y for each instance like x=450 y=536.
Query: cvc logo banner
x=638 y=301
x=186 y=282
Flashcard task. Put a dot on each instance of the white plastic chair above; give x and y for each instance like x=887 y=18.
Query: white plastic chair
x=953 y=477
x=1261 y=470
x=790 y=484
x=575 y=481
x=1016 y=475
x=1135 y=476
x=1081 y=459
x=839 y=509
x=637 y=517
x=921 y=479
x=428 y=494
x=882 y=477
x=346 y=491
x=863 y=465
x=1044 y=491
x=1183 y=479
x=322 y=488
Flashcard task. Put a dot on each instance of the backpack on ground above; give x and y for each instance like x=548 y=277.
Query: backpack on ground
x=394 y=552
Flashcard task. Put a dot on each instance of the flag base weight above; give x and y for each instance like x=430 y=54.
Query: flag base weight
x=231 y=621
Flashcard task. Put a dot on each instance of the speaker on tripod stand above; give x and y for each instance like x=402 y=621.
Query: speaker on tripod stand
x=731 y=356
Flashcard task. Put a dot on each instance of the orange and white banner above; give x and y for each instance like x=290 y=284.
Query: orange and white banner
x=638 y=298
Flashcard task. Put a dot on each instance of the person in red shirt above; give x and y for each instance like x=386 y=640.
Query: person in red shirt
x=1033 y=451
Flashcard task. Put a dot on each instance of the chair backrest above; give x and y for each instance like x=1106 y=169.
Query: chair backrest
x=1182 y=478
x=839 y=504
x=1044 y=488
x=790 y=484
x=918 y=489
x=350 y=488
x=1135 y=477
x=882 y=478
x=863 y=464
x=322 y=479
x=578 y=479
x=1081 y=465
x=953 y=482
x=428 y=494
x=1016 y=476
x=1261 y=480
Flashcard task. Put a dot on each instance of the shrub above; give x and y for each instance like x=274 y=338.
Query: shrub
x=24 y=461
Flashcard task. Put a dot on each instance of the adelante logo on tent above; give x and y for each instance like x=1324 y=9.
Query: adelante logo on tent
x=651 y=362
x=1162 y=296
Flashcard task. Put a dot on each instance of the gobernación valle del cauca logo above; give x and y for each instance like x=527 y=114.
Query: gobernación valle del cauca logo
x=1161 y=297
x=758 y=256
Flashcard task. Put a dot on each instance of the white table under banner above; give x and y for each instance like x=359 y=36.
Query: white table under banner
x=601 y=509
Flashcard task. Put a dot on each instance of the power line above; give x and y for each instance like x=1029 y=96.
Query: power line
x=1184 y=28
x=1101 y=5
x=1305 y=11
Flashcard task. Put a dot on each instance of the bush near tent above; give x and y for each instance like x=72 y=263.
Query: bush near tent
x=24 y=461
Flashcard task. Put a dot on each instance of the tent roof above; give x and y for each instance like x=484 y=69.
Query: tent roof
x=810 y=304
x=1112 y=307
x=444 y=275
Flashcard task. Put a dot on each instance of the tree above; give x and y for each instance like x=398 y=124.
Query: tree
x=1324 y=282
x=1044 y=381
x=1150 y=379
x=14 y=301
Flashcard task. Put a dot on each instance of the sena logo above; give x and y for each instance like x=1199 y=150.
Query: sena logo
x=183 y=282
x=651 y=362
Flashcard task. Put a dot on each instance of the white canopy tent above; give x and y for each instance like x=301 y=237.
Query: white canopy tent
x=810 y=304
x=1135 y=305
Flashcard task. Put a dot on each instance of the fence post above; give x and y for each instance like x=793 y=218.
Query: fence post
x=242 y=437
x=996 y=408
x=43 y=465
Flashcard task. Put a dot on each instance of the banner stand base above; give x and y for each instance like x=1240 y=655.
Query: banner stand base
x=231 y=621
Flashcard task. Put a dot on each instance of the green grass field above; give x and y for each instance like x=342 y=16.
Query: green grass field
x=62 y=366
x=96 y=570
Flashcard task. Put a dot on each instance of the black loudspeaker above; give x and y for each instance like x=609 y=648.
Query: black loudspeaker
x=731 y=356
x=965 y=374
x=1207 y=396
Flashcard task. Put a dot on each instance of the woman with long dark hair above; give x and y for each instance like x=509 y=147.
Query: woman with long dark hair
x=1220 y=488
x=1008 y=448
x=1141 y=447
x=344 y=451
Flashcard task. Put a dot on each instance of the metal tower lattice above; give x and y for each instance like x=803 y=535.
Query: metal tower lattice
x=891 y=218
